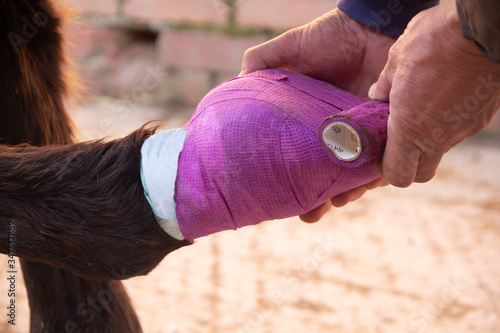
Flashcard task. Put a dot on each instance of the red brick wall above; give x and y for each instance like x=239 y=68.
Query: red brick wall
x=280 y=14
x=195 y=43
x=271 y=14
x=196 y=11
x=192 y=45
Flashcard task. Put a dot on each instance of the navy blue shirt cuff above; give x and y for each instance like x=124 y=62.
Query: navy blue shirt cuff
x=387 y=16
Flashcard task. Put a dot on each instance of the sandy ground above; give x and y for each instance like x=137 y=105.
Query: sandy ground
x=422 y=259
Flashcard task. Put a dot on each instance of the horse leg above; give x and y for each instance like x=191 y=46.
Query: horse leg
x=31 y=97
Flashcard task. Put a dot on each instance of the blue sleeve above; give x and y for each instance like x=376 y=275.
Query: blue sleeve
x=387 y=16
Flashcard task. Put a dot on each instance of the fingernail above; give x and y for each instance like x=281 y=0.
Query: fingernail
x=371 y=92
x=241 y=73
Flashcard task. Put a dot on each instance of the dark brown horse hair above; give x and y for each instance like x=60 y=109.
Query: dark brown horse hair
x=32 y=85
x=70 y=268
x=84 y=205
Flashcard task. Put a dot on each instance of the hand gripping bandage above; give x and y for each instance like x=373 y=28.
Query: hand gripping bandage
x=269 y=145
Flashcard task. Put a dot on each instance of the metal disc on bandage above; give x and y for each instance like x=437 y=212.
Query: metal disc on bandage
x=342 y=140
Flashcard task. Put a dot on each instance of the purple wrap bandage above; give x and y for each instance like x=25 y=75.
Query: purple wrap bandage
x=270 y=145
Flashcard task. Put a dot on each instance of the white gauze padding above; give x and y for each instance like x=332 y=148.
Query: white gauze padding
x=159 y=163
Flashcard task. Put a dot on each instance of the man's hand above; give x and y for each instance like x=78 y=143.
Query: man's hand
x=442 y=90
x=334 y=48
x=342 y=200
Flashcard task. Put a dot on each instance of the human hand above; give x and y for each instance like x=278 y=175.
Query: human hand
x=334 y=48
x=342 y=200
x=441 y=89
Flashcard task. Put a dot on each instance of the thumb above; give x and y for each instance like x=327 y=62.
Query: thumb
x=381 y=89
x=271 y=54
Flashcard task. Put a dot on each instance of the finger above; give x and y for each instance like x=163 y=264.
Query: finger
x=379 y=182
x=354 y=194
x=427 y=167
x=316 y=214
x=343 y=199
x=381 y=89
x=401 y=158
x=409 y=157
x=271 y=54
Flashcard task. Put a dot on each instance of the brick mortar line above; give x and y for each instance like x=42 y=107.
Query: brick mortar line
x=124 y=21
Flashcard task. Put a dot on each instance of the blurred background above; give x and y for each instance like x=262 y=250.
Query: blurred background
x=166 y=54
x=422 y=259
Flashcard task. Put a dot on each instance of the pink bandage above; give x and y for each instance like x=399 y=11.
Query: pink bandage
x=270 y=145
